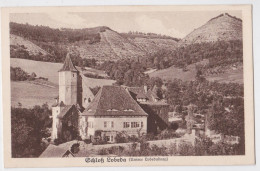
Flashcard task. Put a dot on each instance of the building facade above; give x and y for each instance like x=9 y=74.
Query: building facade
x=78 y=113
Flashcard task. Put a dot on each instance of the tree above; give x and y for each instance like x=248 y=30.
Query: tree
x=28 y=128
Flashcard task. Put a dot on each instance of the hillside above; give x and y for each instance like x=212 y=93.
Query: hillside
x=24 y=91
x=223 y=27
x=100 y=43
x=234 y=74
x=33 y=49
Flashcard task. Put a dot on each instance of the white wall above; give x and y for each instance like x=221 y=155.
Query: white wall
x=55 y=122
x=98 y=124
x=68 y=87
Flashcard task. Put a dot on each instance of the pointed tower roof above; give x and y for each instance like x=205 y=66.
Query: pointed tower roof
x=68 y=65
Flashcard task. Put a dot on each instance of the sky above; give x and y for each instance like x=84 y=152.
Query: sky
x=175 y=24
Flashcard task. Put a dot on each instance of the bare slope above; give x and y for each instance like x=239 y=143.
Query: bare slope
x=100 y=43
x=112 y=46
x=153 y=45
x=29 y=46
x=222 y=27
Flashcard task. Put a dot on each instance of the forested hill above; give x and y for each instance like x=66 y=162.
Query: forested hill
x=99 y=43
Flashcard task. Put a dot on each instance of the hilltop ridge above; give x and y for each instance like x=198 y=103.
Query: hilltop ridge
x=223 y=27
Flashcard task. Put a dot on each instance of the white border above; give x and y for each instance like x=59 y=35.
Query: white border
x=256 y=40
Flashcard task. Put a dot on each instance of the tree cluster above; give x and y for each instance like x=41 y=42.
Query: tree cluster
x=220 y=53
x=28 y=128
x=17 y=74
x=47 y=34
x=136 y=34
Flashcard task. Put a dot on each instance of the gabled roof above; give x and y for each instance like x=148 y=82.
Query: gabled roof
x=113 y=101
x=137 y=92
x=54 y=151
x=68 y=65
x=65 y=110
x=141 y=96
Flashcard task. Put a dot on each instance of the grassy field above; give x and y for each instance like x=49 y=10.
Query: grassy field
x=176 y=73
x=31 y=93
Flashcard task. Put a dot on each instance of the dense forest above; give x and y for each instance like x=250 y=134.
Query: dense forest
x=221 y=103
x=136 y=34
x=29 y=127
x=50 y=35
x=220 y=53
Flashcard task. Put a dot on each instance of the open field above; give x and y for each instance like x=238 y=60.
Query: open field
x=172 y=72
x=50 y=70
x=235 y=76
x=29 y=94
x=32 y=93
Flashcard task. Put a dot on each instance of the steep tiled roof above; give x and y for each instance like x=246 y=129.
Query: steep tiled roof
x=68 y=65
x=136 y=92
x=150 y=95
x=53 y=151
x=113 y=101
x=65 y=110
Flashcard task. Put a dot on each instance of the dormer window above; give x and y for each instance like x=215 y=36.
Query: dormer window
x=112 y=110
x=128 y=110
x=141 y=99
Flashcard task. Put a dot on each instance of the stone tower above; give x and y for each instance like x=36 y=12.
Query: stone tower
x=68 y=83
x=68 y=94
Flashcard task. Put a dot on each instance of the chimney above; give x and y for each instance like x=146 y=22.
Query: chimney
x=145 y=88
x=57 y=99
x=193 y=132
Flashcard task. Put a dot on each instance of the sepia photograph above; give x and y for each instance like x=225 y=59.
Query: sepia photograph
x=129 y=86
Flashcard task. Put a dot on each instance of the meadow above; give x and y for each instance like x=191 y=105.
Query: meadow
x=30 y=93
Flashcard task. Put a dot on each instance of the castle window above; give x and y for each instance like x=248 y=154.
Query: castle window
x=89 y=100
x=112 y=124
x=108 y=138
x=108 y=124
x=126 y=124
x=135 y=124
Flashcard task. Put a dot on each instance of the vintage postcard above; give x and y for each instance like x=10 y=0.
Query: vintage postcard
x=128 y=86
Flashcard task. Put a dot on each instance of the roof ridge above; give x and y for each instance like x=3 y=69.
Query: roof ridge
x=101 y=90
x=133 y=100
x=68 y=65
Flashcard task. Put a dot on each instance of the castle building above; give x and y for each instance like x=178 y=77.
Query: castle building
x=115 y=109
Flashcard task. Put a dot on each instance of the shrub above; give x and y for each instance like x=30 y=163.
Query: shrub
x=103 y=151
x=121 y=138
x=186 y=149
x=75 y=148
x=17 y=74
